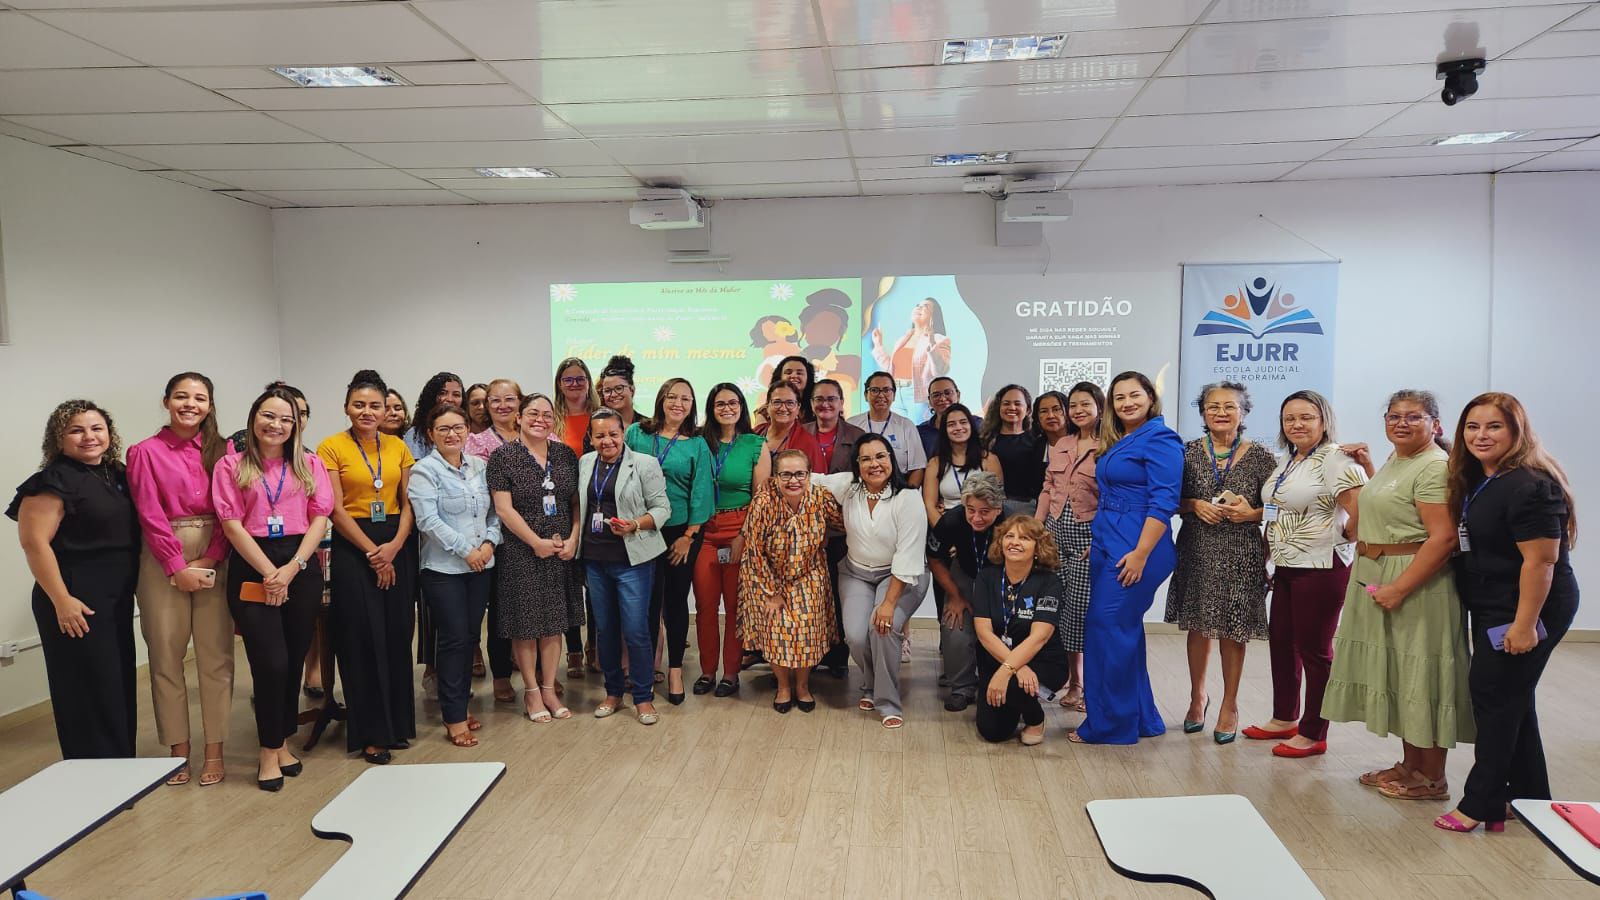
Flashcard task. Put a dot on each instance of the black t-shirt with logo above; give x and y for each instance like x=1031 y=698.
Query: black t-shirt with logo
x=1012 y=610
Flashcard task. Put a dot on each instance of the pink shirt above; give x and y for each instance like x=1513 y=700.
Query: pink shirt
x=250 y=505
x=168 y=480
x=1066 y=476
x=484 y=443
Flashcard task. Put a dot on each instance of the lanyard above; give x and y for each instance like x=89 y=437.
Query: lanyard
x=956 y=473
x=886 y=423
x=661 y=457
x=786 y=439
x=1294 y=461
x=1008 y=603
x=977 y=555
x=1233 y=455
x=827 y=449
x=600 y=482
x=717 y=462
x=377 y=476
x=274 y=496
x=1467 y=503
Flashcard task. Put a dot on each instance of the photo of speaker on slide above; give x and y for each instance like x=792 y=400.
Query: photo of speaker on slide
x=907 y=333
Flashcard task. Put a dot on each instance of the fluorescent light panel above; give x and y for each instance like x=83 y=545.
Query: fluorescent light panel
x=339 y=76
x=516 y=172
x=1482 y=137
x=1000 y=49
x=990 y=157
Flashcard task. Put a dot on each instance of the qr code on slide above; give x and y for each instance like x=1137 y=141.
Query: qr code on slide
x=1062 y=374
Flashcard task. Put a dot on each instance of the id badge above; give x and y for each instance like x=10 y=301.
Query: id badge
x=549 y=504
x=1463 y=538
x=597 y=523
x=1269 y=513
x=725 y=555
x=379 y=512
x=274 y=526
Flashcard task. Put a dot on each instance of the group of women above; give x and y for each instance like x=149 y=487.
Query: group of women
x=1044 y=528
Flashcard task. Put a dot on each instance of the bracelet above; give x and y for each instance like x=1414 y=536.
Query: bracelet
x=1006 y=665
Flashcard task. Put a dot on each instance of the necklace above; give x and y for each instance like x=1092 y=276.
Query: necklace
x=877 y=495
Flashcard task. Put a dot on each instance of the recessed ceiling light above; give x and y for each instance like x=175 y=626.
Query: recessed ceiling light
x=516 y=172
x=973 y=159
x=339 y=76
x=1482 y=137
x=997 y=49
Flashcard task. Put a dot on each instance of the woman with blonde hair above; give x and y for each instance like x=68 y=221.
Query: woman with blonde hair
x=1015 y=605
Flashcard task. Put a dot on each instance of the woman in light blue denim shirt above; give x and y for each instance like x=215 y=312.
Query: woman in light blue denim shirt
x=460 y=530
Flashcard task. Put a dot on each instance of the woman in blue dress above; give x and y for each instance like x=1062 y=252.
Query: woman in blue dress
x=1139 y=471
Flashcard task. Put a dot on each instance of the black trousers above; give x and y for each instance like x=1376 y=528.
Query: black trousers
x=276 y=638
x=1509 y=755
x=669 y=596
x=457 y=602
x=427 y=634
x=372 y=641
x=839 y=654
x=501 y=665
x=91 y=677
x=999 y=723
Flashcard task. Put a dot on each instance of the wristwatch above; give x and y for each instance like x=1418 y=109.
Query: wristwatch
x=301 y=562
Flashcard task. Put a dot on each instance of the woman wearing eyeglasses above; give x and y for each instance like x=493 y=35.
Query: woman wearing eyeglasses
x=575 y=399
x=783 y=430
x=503 y=401
x=616 y=389
x=1400 y=656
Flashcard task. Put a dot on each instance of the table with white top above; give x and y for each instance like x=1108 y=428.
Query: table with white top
x=1559 y=835
x=58 y=806
x=1217 y=843
x=397 y=818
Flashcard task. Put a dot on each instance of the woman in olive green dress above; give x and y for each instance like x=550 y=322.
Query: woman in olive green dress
x=1400 y=657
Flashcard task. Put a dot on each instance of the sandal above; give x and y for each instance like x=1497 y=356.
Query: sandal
x=207 y=779
x=866 y=704
x=463 y=738
x=560 y=712
x=181 y=776
x=473 y=724
x=1427 y=790
x=1382 y=776
x=893 y=722
x=1074 y=738
x=538 y=718
x=1074 y=702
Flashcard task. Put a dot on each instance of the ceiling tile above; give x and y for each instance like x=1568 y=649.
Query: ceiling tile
x=1072 y=133
x=471 y=154
x=1248 y=127
x=341 y=33
x=426 y=197
x=195 y=157
x=1007 y=103
x=168 y=128
x=1184 y=175
x=519 y=29
x=1427 y=151
x=125 y=4
x=33 y=134
x=779 y=191
x=1519 y=78
x=1322 y=43
x=1560 y=43
x=395 y=97
x=1477 y=115
x=919 y=78
x=317 y=179
x=747 y=172
x=1118 y=42
x=27 y=43
x=890 y=186
x=754 y=73
x=586 y=195
x=446 y=73
x=222 y=77
x=489 y=123
x=597 y=120
x=1206 y=155
x=1565 y=161
x=874 y=56
x=1587 y=20
x=115 y=158
x=1060 y=168
x=55 y=91
x=199 y=181
x=567 y=173
x=710 y=148
x=1284 y=90
x=257 y=199
x=1393 y=168
x=538 y=185
x=863 y=22
x=1030 y=157
x=1254 y=10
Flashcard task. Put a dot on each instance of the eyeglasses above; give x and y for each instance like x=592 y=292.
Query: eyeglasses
x=1408 y=418
x=573 y=380
x=726 y=404
x=616 y=390
x=792 y=476
x=781 y=404
x=539 y=417
x=450 y=429
x=880 y=390
x=1221 y=407
x=947 y=394
x=824 y=401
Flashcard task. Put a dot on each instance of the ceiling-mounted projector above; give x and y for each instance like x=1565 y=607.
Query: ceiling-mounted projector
x=1039 y=207
x=666 y=209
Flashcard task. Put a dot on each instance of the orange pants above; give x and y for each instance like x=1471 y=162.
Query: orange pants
x=713 y=582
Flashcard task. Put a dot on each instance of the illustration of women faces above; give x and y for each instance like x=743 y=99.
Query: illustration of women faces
x=917 y=358
x=774 y=336
x=823 y=324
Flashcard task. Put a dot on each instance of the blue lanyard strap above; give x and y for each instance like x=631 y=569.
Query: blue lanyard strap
x=1467 y=503
x=600 y=482
x=886 y=423
x=1008 y=603
x=1294 y=461
x=977 y=554
x=274 y=496
x=1233 y=454
x=719 y=460
x=661 y=456
x=377 y=476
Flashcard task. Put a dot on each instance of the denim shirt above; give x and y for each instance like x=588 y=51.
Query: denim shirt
x=453 y=511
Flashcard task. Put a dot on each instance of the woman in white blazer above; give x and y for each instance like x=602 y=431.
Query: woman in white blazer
x=623 y=503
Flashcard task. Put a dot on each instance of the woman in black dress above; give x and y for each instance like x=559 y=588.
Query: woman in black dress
x=1008 y=433
x=534 y=482
x=81 y=537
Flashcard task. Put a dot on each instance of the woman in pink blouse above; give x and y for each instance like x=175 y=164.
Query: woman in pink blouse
x=274 y=500
x=1067 y=506
x=180 y=584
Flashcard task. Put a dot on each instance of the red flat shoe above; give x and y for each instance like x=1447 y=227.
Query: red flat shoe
x=1288 y=752
x=1257 y=733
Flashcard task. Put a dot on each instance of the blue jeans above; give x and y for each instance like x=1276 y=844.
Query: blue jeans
x=620 y=595
x=457 y=603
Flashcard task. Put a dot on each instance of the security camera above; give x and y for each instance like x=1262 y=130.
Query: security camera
x=1460 y=79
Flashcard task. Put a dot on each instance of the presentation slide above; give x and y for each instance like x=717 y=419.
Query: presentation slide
x=712 y=331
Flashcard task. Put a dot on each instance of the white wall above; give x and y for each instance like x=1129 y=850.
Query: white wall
x=115 y=280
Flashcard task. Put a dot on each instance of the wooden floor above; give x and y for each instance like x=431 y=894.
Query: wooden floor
x=727 y=798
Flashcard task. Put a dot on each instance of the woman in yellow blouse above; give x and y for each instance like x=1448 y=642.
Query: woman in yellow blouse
x=372 y=573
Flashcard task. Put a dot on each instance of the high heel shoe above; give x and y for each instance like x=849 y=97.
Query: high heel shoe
x=1192 y=727
x=540 y=717
x=1449 y=822
x=675 y=699
x=560 y=712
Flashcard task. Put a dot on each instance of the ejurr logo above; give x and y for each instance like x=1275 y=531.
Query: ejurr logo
x=1260 y=308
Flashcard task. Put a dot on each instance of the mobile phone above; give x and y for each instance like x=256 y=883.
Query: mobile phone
x=253 y=592
x=618 y=521
x=1581 y=816
x=1497 y=634
x=1226 y=498
x=208 y=577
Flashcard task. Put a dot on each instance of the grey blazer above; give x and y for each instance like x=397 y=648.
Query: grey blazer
x=641 y=489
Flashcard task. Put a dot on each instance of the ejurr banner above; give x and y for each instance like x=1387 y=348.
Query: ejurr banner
x=1268 y=326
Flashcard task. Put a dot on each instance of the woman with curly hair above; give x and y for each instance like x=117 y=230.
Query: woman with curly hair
x=81 y=539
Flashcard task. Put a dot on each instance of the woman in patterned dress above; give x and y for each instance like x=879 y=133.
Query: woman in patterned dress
x=1066 y=507
x=1219 y=590
x=785 y=600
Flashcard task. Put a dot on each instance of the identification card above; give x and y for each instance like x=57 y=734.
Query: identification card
x=379 y=512
x=274 y=526
x=597 y=523
x=1269 y=513
x=549 y=504
x=1463 y=538
x=725 y=555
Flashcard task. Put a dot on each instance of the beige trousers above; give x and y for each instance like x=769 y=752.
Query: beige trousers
x=168 y=618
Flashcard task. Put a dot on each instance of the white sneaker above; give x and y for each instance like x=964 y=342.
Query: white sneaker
x=905 y=647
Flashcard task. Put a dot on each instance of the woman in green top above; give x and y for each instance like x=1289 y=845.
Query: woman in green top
x=739 y=467
x=670 y=436
x=1400 y=656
